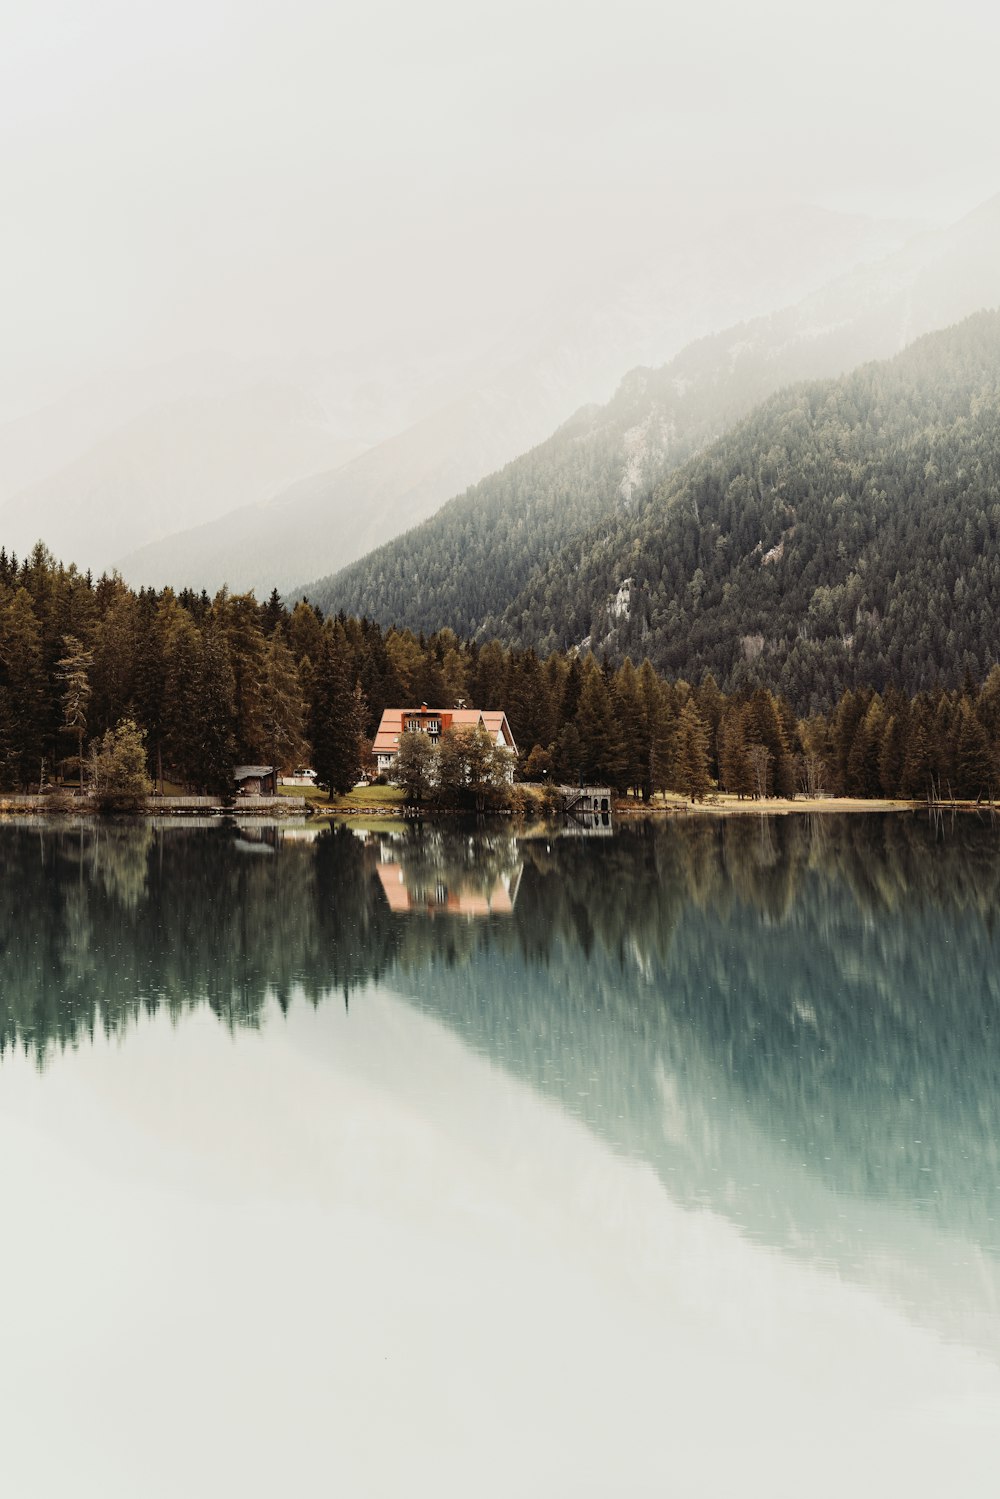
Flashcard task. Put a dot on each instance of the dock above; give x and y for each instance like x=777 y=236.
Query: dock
x=580 y=799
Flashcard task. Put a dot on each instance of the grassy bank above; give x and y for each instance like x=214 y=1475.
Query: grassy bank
x=376 y=799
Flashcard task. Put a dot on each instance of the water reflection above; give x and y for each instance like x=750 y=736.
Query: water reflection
x=793 y=1021
x=434 y=875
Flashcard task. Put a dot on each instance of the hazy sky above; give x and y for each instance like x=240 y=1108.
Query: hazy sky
x=257 y=176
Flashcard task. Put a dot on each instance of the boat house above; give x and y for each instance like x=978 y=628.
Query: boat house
x=256 y=780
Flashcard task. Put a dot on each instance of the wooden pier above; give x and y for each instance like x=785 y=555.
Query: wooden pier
x=580 y=799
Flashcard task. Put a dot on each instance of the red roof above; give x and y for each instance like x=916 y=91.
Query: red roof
x=494 y=720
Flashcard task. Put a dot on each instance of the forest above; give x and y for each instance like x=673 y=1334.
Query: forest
x=466 y=563
x=844 y=535
x=211 y=683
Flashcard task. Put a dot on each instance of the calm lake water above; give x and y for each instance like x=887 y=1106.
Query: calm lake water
x=457 y=1163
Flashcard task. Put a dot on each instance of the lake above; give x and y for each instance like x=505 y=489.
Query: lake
x=661 y=1161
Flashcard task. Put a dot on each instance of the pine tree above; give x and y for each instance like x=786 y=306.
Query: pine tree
x=283 y=707
x=22 y=692
x=334 y=717
x=863 y=757
x=975 y=763
x=764 y=726
x=237 y=617
x=892 y=753
x=664 y=734
x=117 y=650
x=735 y=770
x=602 y=752
x=273 y=613
x=691 y=775
x=918 y=770
x=74 y=673
x=711 y=705
x=634 y=728
x=215 y=711
x=180 y=668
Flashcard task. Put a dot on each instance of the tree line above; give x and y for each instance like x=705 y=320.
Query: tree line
x=210 y=683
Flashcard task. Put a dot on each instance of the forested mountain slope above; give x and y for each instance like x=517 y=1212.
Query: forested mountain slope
x=466 y=565
x=846 y=533
x=475 y=413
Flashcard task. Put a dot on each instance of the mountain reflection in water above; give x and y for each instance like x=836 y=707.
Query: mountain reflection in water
x=794 y=1021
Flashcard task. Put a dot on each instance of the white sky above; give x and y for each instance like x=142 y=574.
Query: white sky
x=256 y=176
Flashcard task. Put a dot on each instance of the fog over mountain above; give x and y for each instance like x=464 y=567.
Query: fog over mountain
x=487 y=559
x=319 y=271
x=513 y=397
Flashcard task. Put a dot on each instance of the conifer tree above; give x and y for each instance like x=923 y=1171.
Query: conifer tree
x=665 y=714
x=735 y=771
x=918 y=769
x=602 y=751
x=283 y=708
x=74 y=673
x=634 y=728
x=691 y=775
x=335 y=725
x=863 y=757
x=975 y=762
x=892 y=753
x=215 y=711
x=22 y=692
x=181 y=706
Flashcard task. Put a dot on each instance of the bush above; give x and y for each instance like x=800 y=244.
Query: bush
x=58 y=799
x=118 y=769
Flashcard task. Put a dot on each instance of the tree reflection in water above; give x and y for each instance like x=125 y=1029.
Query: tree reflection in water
x=729 y=1000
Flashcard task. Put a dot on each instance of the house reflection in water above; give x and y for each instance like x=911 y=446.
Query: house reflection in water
x=446 y=892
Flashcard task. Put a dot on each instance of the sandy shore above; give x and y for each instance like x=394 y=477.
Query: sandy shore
x=723 y=805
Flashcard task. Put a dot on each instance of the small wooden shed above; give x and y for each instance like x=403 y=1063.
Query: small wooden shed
x=256 y=780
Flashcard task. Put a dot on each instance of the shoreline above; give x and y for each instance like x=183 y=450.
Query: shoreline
x=723 y=805
x=624 y=810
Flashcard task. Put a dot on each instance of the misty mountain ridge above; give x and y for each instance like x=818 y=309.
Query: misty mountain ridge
x=513 y=395
x=845 y=534
x=467 y=566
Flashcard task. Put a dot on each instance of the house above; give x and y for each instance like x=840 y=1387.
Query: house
x=434 y=722
x=256 y=780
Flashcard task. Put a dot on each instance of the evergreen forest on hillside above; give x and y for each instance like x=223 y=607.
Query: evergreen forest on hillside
x=843 y=536
x=211 y=683
x=462 y=567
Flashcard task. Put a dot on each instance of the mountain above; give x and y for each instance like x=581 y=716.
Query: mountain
x=169 y=466
x=339 y=513
x=484 y=561
x=847 y=533
x=509 y=397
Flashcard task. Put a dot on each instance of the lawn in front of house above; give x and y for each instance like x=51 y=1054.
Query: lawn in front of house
x=309 y=793
x=360 y=796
